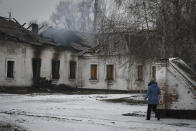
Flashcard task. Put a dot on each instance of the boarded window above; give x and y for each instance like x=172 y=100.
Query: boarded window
x=55 y=69
x=93 y=72
x=140 y=70
x=10 y=69
x=36 y=62
x=154 y=72
x=110 y=72
x=72 y=74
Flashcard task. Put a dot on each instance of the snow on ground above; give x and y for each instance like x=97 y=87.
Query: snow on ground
x=60 y=112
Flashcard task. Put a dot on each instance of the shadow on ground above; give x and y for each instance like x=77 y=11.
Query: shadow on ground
x=128 y=100
x=8 y=127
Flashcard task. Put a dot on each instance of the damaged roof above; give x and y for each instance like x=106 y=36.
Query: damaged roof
x=78 y=40
x=13 y=31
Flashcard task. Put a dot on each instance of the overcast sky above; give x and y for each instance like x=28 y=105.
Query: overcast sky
x=27 y=10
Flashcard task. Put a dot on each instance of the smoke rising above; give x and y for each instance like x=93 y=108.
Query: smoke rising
x=75 y=15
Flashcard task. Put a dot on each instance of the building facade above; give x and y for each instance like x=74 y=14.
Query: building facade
x=25 y=57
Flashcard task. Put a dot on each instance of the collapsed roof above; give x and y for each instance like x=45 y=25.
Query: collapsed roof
x=13 y=31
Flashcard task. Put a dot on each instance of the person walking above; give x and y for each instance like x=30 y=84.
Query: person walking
x=153 y=99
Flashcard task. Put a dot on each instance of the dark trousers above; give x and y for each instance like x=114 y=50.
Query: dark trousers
x=154 y=106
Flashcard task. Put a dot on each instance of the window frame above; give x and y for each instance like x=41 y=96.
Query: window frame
x=75 y=70
x=139 y=73
x=14 y=67
x=91 y=78
x=106 y=75
x=55 y=75
x=40 y=63
x=153 y=69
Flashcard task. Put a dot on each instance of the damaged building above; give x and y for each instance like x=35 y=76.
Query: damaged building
x=26 y=57
x=76 y=60
x=117 y=69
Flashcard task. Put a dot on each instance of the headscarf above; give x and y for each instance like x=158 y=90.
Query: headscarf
x=151 y=82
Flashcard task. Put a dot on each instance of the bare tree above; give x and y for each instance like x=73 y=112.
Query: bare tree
x=165 y=25
x=148 y=28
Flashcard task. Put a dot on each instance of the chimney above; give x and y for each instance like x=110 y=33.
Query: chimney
x=34 y=28
x=10 y=15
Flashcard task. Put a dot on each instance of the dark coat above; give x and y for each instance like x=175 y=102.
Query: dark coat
x=153 y=93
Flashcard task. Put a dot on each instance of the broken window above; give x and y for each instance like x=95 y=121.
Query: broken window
x=110 y=72
x=93 y=72
x=140 y=70
x=36 y=62
x=10 y=69
x=72 y=68
x=154 y=72
x=55 y=69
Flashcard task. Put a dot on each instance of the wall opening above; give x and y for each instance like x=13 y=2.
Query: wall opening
x=55 y=69
x=154 y=73
x=93 y=72
x=10 y=69
x=110 y=72
x=36 y=62
x=194 y=67
x=72 y=74
x=140 y=72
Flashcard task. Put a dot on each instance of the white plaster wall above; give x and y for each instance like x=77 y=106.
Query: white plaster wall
x=65 y=57
x=170 y=81
x=47 y=55
x=161 y=70
x=46 y=63
x=186 y=99
x=22 y=54
x=125 y=78
x=19 y=53
x=65 y=69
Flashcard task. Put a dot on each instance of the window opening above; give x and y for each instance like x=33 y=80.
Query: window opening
x=72 y=70
x=55 y=69
x=140 y=70
x=94 y=72
x=36 y=67
x=10 y=69
x=110 y=72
